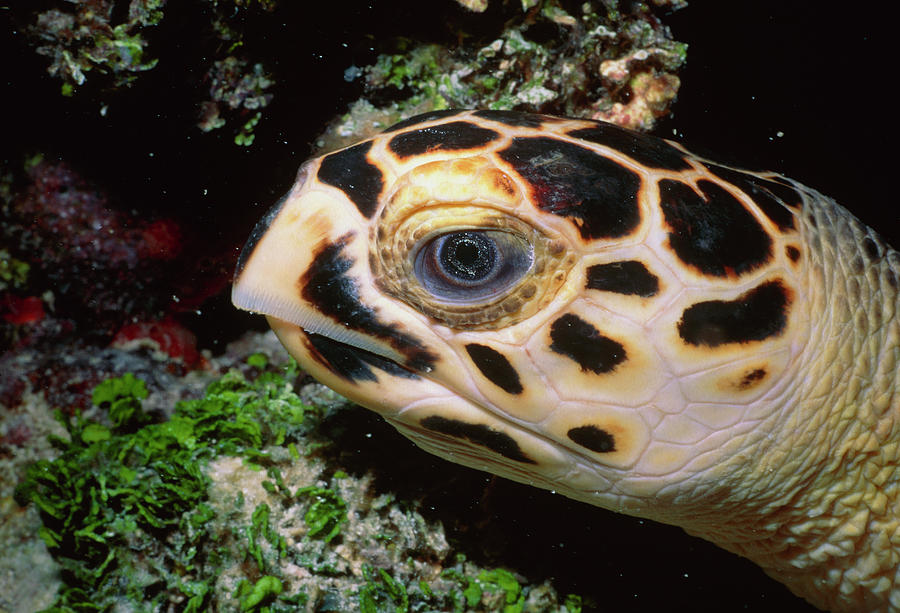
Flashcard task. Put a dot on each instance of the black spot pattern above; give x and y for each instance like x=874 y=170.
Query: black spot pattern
x=513 y=118
x=326 y=286
x=793 y=253
x=757 y=189
x=353 y=363
x=577 y=339
x=752 y=378
x=714 y=232
x=350 y=171
x=479 y=434
x=599 y=195
x=495 y=367
x=630 y=278
x=422 y=118
x=593 y=438
x=647 y=150
x=453 y=136
x=758 y=314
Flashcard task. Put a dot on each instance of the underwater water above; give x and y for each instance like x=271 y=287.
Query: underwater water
x=797 y=89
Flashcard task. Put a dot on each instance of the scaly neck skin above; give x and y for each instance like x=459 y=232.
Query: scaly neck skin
x=817 y=505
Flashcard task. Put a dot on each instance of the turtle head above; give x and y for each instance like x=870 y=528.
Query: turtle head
x=597 y=312
x=561 y=302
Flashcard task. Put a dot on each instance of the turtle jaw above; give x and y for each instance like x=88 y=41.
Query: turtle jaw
x=352 y=349
x=371 y=380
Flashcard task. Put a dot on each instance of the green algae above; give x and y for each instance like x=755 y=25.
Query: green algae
x=201 y=511
x=552 y=58
x=13 y=272
x=132 y=486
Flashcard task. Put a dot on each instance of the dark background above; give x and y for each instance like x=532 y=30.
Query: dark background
x=819 y=75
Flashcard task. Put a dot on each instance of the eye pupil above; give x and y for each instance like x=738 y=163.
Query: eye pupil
x=468 y=256
x=471 y=266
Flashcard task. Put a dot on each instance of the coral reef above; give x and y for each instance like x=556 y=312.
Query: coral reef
x=165 y=336
x=80 y=37
x=115 y=43
x=235 y=86
x=237 y=500
x=102 y=265
x=479 y=6
x=78 y=261
x=599 y=61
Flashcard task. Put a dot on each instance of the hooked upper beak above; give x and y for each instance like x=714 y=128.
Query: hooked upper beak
x=270 y=273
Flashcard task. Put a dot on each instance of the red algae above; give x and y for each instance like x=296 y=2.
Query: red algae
x=96 y=264
x=19 y=310
x=166 y=336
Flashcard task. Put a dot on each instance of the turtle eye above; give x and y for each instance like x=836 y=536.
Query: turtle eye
x=472 y=265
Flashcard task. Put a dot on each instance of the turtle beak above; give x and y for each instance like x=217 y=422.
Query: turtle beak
x=271 y=269
x=271 y=264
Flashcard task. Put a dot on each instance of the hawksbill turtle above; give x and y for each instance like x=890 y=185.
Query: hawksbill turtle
x=599 y=312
